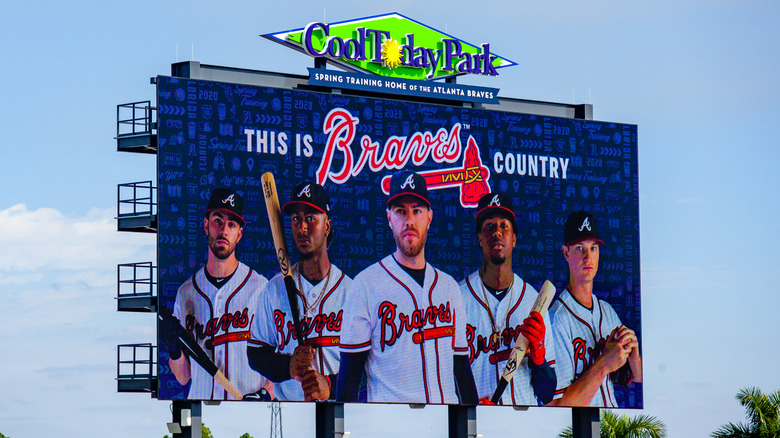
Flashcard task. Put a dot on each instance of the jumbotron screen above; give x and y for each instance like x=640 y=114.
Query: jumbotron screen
x=419 y=237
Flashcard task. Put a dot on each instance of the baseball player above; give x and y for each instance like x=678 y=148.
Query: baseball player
x=497 y=303
x=403 y=318
x=214 y=306
x=593 y=347
x=307 y=372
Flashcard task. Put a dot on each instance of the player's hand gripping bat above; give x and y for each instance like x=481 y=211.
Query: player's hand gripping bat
x=277 y=230
x=521 y=345
x=188 y=344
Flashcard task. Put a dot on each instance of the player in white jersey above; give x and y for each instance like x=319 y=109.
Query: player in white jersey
x=403 y=322
x=214 y=306
x=497 y=303
x=303 y=372
x=593 y=347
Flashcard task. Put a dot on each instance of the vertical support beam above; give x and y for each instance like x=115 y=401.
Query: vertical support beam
x=329 y=420
x=194 y=407
x=585 y=423
x=462 y=421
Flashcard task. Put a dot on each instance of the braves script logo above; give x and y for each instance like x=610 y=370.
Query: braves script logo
x=494 y=202
x=285 y=328
x=237 y=319
x=585 y=224
x=306 y=191
x=479 y=344
x=392 y=328
x=231 y=199
x=442 y=147
x=584 y=356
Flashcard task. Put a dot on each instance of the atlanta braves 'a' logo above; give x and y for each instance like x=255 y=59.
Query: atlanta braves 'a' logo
x=305 y=191
x=585 y=224
x=408 y=183
x=495 y=202
x=230 y=200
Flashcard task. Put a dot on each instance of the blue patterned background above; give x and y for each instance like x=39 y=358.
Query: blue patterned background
x=202 y=145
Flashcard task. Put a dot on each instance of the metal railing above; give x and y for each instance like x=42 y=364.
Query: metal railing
x=136 y=362
x=136 y=199
x=134 y=118
x=136 y=279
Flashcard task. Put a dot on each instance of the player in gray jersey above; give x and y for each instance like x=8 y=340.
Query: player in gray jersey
x=594 y=349
x=303 y=372
x=214 y=306
x=404 y=326
x=497 y=303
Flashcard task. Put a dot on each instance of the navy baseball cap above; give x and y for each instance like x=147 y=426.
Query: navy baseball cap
x=492 y=204
x=580 y=226
x=408 y=183
x=227 y=200
x=309 y=194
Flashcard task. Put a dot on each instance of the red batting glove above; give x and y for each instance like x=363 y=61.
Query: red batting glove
x=533 y=330
x=486 y=401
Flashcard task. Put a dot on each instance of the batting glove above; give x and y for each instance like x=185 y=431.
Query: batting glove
x=533 y=330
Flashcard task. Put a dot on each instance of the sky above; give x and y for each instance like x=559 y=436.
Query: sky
x=699 y=78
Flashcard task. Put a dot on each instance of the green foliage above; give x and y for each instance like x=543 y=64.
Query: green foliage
x=246 y=435
x=763 y=412
x=622 y=426
x=205 y=432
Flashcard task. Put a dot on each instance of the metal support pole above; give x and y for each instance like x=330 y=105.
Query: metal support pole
x=329 y=420
x=585 y=423
x=194 y=408
x=462 y=421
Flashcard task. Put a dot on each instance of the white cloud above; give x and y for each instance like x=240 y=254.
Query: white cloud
x=45 y=238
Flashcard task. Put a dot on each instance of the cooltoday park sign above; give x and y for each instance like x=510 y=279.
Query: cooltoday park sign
x=398 y=49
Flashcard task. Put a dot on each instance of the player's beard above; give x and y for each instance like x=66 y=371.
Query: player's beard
x=407 y=248
x=219 y=251
x=497 y=260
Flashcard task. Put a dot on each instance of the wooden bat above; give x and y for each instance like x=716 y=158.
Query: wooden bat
x=277 y=231
x=521 y=345
x=188 y=344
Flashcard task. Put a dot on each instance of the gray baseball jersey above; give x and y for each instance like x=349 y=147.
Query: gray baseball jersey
x=492 y=328
x=580 y=337
x=321 y=322
x=221 y=320
x=411 y=332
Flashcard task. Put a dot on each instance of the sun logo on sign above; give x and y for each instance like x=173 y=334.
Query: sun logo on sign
x=391 y=53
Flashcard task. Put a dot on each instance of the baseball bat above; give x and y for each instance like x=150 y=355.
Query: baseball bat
x=189 y=345
x=521 y=344
x=277 y=231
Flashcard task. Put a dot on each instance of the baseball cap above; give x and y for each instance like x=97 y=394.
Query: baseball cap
x=405 y=182
x=495 y=203
x=225 y=199
x=310 y=194
x=580 y=226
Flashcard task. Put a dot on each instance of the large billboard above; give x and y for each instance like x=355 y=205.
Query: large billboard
x=382 y=329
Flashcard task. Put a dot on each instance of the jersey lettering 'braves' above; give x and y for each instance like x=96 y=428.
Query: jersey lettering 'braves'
x=580 y=337
x=489 y=350
x=411 y=332
x=221 y=321
x=321 y=326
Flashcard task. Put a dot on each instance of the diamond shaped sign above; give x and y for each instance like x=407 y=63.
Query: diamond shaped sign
x=392 y=45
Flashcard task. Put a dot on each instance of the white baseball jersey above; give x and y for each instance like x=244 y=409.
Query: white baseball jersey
x=411 y=332
x=321 y=324
x=489 y=349
x=580 y=337
x=221 y=320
